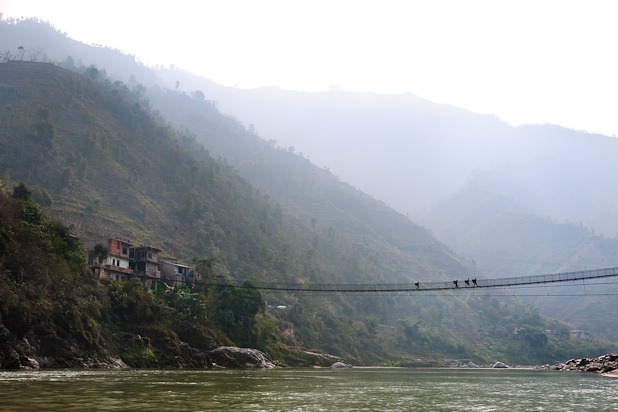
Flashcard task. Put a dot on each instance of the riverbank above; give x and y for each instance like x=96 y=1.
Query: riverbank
x=611 y=374
x=605 y=364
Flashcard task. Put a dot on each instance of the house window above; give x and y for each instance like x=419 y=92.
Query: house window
x=149 y=255
x=124 y=251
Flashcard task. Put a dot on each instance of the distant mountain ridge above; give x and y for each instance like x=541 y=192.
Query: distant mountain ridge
x=334 y=233
x=402 y=149
x=412 y=153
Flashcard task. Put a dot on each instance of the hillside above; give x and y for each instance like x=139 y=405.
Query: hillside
x=44 y=43
x=502 y=236
x=519 y=225
x=497 y=232
x=97 y=158
x=555 y=188
x=421 y=152
x=313 y=194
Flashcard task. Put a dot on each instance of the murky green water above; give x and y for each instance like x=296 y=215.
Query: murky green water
x=371 y=389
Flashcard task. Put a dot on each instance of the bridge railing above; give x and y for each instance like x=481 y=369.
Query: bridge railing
x=419 y=286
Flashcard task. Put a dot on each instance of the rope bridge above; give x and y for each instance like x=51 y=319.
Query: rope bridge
x=419 y=287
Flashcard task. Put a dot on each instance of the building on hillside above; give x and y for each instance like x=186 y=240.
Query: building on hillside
x=146 y=260
x=175 y=273
x=118 y=259
x=115 y=263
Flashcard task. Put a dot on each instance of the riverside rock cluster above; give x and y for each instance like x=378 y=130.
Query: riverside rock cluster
x=603 y=364
x=51 y=351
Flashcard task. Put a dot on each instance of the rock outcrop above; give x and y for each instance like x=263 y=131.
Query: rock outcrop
x=322 y=359
x=603 y=364
x=52 y=351
x=340 y=365
x=48 y=350
x=233 y=357
x=459 y=363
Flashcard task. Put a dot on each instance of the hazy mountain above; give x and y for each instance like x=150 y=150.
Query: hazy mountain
x=402 y=149
x=43 y=42
x=505 y=238
x=375 y=243
x=515 y=200
x=412 y=153
x=103 y=163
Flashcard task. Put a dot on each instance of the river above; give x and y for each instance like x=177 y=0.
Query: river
x=358 y=389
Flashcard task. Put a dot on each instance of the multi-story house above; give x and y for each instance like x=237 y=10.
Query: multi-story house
x=146 y=261
x=115 y=263
x=118 y=259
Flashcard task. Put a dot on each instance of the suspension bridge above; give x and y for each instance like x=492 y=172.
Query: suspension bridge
x=468 y=283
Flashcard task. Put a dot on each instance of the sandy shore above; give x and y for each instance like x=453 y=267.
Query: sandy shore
x=612 y=374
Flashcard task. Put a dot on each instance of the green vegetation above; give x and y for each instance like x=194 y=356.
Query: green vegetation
x=107 y=164
x=47 y=293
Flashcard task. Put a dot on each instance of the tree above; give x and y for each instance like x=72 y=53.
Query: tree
x=100 y=252
x=534 y=337
x=236 y=312
x=204 y=268
x=69 y=63
x=92 y=72
x=139 y=90
x=413 y=331
x=21 y=192
x=371 y=323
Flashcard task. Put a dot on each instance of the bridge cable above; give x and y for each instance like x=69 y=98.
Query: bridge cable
x=421 y=287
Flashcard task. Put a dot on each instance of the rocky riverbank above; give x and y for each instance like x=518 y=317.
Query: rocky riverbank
x=51 y=351
x=606 y=364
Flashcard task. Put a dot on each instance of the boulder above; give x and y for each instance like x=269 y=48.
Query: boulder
x=28 y=363
x=320 y=359
x=233 y=357
x=500 y=365
x=340 y=365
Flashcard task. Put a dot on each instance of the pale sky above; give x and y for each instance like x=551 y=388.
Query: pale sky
x=524 y=61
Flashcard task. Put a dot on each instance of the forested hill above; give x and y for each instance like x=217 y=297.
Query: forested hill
x=310 y=192
x=111 y=166
x=95 y=156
